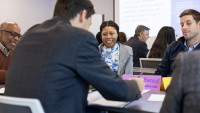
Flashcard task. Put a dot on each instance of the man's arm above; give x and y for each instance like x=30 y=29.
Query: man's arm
x=95 y=71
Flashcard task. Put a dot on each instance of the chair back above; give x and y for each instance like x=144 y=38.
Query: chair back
x=149 y=62
x=19 y=105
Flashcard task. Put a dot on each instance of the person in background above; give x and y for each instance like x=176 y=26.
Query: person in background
x=165 y=37
x=55 y=62
x=98 y=37
x=9 y=36
x=117 y=55
x=190 y=25
x=183 y=93
x=138 y=44
x=122 y=37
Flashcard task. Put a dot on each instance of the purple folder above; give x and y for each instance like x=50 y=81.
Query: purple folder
x=152 y=82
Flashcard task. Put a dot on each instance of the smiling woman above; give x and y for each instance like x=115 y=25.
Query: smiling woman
x=109 y=36
x=116 y=55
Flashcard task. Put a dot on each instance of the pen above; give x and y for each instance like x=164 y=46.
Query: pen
x=140 y=75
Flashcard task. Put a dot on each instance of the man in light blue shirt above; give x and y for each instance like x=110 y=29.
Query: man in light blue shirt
x=190 y=25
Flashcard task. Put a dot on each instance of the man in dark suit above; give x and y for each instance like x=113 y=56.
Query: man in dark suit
x=138 y=44
x=183 y=93
x=57 y=60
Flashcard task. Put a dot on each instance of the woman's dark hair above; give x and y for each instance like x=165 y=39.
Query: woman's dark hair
x=98 y=37
x=122 y=37
x=70 y=8
x=164 y=38
x=112 y=24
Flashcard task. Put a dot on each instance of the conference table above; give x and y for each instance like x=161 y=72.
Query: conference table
x=143 y=105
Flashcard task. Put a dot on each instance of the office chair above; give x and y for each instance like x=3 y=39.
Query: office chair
x=149 y=62
x=19 y=105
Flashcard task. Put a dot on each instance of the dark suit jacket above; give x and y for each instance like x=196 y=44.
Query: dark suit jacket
x=165 y=68
x=140 y=50
x=183 y=94
x=56 y=62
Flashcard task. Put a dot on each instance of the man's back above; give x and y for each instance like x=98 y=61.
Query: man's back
x=55 y=63
x=48 y=66
x=139 y=49
x=183 y=93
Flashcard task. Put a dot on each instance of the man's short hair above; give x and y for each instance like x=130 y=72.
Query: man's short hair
x=70 y=8
x=195 y=14
x=141 y=29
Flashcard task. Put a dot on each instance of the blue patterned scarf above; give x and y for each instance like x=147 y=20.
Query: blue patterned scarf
x=111 y=56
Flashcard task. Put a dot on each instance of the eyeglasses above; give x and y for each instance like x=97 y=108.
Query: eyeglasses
x=13 y=34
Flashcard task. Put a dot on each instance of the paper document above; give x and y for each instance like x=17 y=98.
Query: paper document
x=95 y=98
x=2 y=90
x=156 y=97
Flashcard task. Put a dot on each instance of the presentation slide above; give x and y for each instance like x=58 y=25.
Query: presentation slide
x=177 y=6
x=151 y=13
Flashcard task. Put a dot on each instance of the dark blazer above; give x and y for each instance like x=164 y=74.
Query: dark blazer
x=165 y=68
x=140 y=50
x=183 y=94
x=56 y=62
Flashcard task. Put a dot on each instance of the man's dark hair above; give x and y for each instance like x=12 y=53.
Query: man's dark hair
x=70 y=8
x=112 y=24
x=141 y=29
x=195 y=14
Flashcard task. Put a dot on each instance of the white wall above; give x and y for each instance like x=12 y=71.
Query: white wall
x=97 y=19
x=26 y=12
x=104 y=7
x=30 y=12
